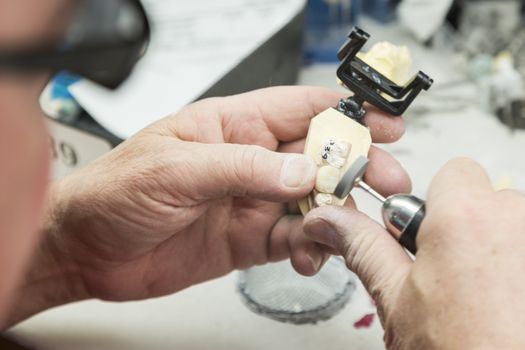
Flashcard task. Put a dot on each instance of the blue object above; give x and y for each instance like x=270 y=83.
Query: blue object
x=328 y=23
x=380 y=10
x=57 y=101
x=61 y=83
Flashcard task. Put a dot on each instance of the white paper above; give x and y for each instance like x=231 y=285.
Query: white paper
x=423 y=17
x=194 y=44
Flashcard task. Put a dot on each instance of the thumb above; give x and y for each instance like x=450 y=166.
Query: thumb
x=244 y=170
x=460 y=176
x=369 y=250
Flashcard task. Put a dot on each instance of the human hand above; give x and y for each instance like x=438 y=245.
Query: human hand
x=198 y=194
x=464 y=290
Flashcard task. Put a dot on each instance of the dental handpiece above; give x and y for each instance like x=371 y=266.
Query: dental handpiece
x=402 y=213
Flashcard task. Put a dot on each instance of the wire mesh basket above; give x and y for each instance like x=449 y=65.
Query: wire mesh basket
x=278 y=292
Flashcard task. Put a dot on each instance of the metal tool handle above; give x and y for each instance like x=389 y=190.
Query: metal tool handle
x=402 y=215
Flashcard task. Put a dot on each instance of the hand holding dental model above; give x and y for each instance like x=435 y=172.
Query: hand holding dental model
x=188 y=199
x=339 y=143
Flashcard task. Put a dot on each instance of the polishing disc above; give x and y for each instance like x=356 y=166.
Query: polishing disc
x=354 y=173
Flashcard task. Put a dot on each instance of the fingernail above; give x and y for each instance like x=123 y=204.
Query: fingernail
x=322 y=231
x=297 y=171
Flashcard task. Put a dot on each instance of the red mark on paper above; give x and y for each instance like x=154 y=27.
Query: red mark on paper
x=365 y=321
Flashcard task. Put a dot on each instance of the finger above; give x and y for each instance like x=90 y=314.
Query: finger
x=459 y=176
x=287 y=111
x=369 y=251
x=329 y=250
x=385 y=174
x=292 y=208
x=287 y=239
x=383 y=127
x=215 y=171
x=307 y=257
x=296 y=146
x=278 y=242
x=455 y=196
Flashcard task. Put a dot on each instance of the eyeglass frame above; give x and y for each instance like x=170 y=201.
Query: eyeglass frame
x=94 y=62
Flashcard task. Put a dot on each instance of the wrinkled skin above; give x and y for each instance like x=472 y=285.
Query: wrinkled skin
x=464 y=290
x=199 y=194
x=190 y=198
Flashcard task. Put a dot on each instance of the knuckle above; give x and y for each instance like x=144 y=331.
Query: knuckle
x=361 y=256
x=357 y=249
x=463 y=205
x=245 y=159
x=444 y=216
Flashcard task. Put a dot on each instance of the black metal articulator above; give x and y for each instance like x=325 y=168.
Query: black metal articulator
x=402 y=213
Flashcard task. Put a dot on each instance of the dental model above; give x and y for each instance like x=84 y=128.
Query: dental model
x=338 y=136
x=323 y=199
x=334 y=141
x=394 y=62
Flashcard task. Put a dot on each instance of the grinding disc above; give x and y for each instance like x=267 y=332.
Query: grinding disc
x=352 y=175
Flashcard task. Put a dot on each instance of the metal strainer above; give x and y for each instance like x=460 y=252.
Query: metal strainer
x=278 y=292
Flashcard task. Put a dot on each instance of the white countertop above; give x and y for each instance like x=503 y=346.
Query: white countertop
x=207 y=316
x=211 y=315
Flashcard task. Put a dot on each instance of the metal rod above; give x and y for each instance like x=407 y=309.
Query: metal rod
x=370 y=190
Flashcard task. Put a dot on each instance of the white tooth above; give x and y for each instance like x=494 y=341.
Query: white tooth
x=322 y=199
x=327 y=179
x=341 y=149
x=334 y=153
x=336 y=162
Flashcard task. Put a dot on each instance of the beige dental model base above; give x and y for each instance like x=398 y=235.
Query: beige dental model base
x=334 y=141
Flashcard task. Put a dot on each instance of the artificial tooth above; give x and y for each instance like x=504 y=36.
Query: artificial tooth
x=327 y=179
x=339 y=148
x=336 y=161
x=322 y=199
x=334 y=153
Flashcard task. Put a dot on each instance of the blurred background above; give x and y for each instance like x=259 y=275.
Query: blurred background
x=474 y=50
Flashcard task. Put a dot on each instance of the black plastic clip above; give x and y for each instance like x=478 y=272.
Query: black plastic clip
x=371 y=86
